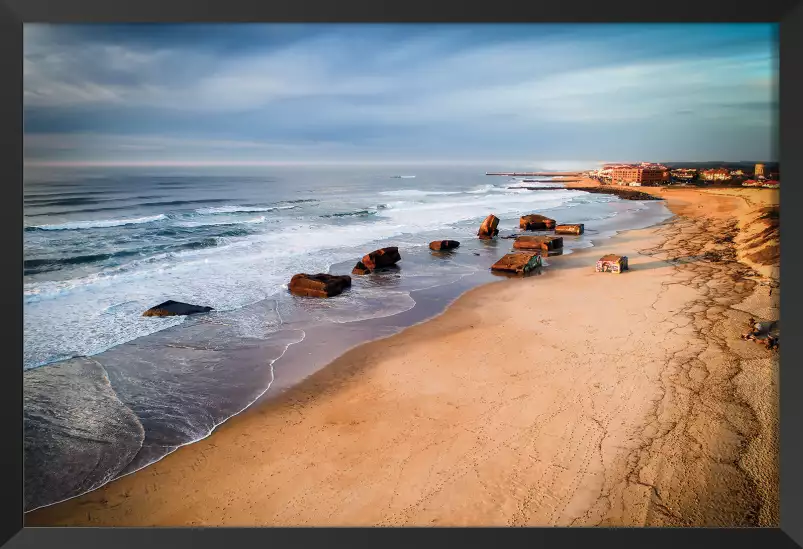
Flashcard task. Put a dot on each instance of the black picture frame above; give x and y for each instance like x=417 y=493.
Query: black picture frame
x=14 y=13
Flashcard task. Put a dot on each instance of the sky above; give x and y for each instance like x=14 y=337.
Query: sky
x=192 y=94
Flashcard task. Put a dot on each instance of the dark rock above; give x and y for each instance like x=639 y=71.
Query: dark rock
x=569 y=228
x=439 y=245
x=318 y=285
x=488 y=228
x=518 y=263
x=175 y=308
x=544 y=243
x=612 y=264
x=378 y=259
x=360 y=269
x=536 y=222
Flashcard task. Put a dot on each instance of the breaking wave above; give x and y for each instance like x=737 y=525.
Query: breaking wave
x=96 y=223
x=417 y=192
x=357 y=213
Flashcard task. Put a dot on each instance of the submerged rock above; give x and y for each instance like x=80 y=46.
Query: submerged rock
x=544 y=243
x=439 y=245
x=536 y=222
x=518 y=263
x=175 y=308
x=318 y=285
x=488 y=228
x=612 y=264
x=569 y=228
x=377 y=259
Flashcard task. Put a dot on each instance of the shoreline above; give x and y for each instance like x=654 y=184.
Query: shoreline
x=486 y=279
x=123 y=501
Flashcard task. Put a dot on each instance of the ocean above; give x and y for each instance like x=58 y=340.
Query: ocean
x=108 y=391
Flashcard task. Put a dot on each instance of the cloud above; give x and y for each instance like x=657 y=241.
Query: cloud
x=390 y=90
x=120 y=147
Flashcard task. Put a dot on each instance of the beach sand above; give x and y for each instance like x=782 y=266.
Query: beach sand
x=567 y=398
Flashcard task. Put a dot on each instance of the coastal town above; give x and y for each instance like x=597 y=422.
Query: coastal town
x=652 y=174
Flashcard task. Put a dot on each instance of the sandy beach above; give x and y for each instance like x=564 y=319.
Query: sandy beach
x=571 y=398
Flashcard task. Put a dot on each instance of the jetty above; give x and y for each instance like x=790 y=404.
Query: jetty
x=536 y=174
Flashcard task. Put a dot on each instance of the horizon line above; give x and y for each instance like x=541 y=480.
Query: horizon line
x=257 y=163
x=270 y=163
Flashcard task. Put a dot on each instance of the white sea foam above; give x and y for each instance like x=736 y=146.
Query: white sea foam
x=190 y=224
x=437 y=215
x=485 y=189
x=545 y=184
x=233 y=209
x=98 y=223
x=417 y=192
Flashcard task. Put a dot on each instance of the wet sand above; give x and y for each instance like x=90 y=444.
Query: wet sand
x=569 y=398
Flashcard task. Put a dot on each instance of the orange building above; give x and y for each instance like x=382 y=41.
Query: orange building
x=639 y=175
x=684 y=174
x=720 y=174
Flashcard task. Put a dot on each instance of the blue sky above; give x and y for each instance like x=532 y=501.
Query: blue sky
x=399 y=93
